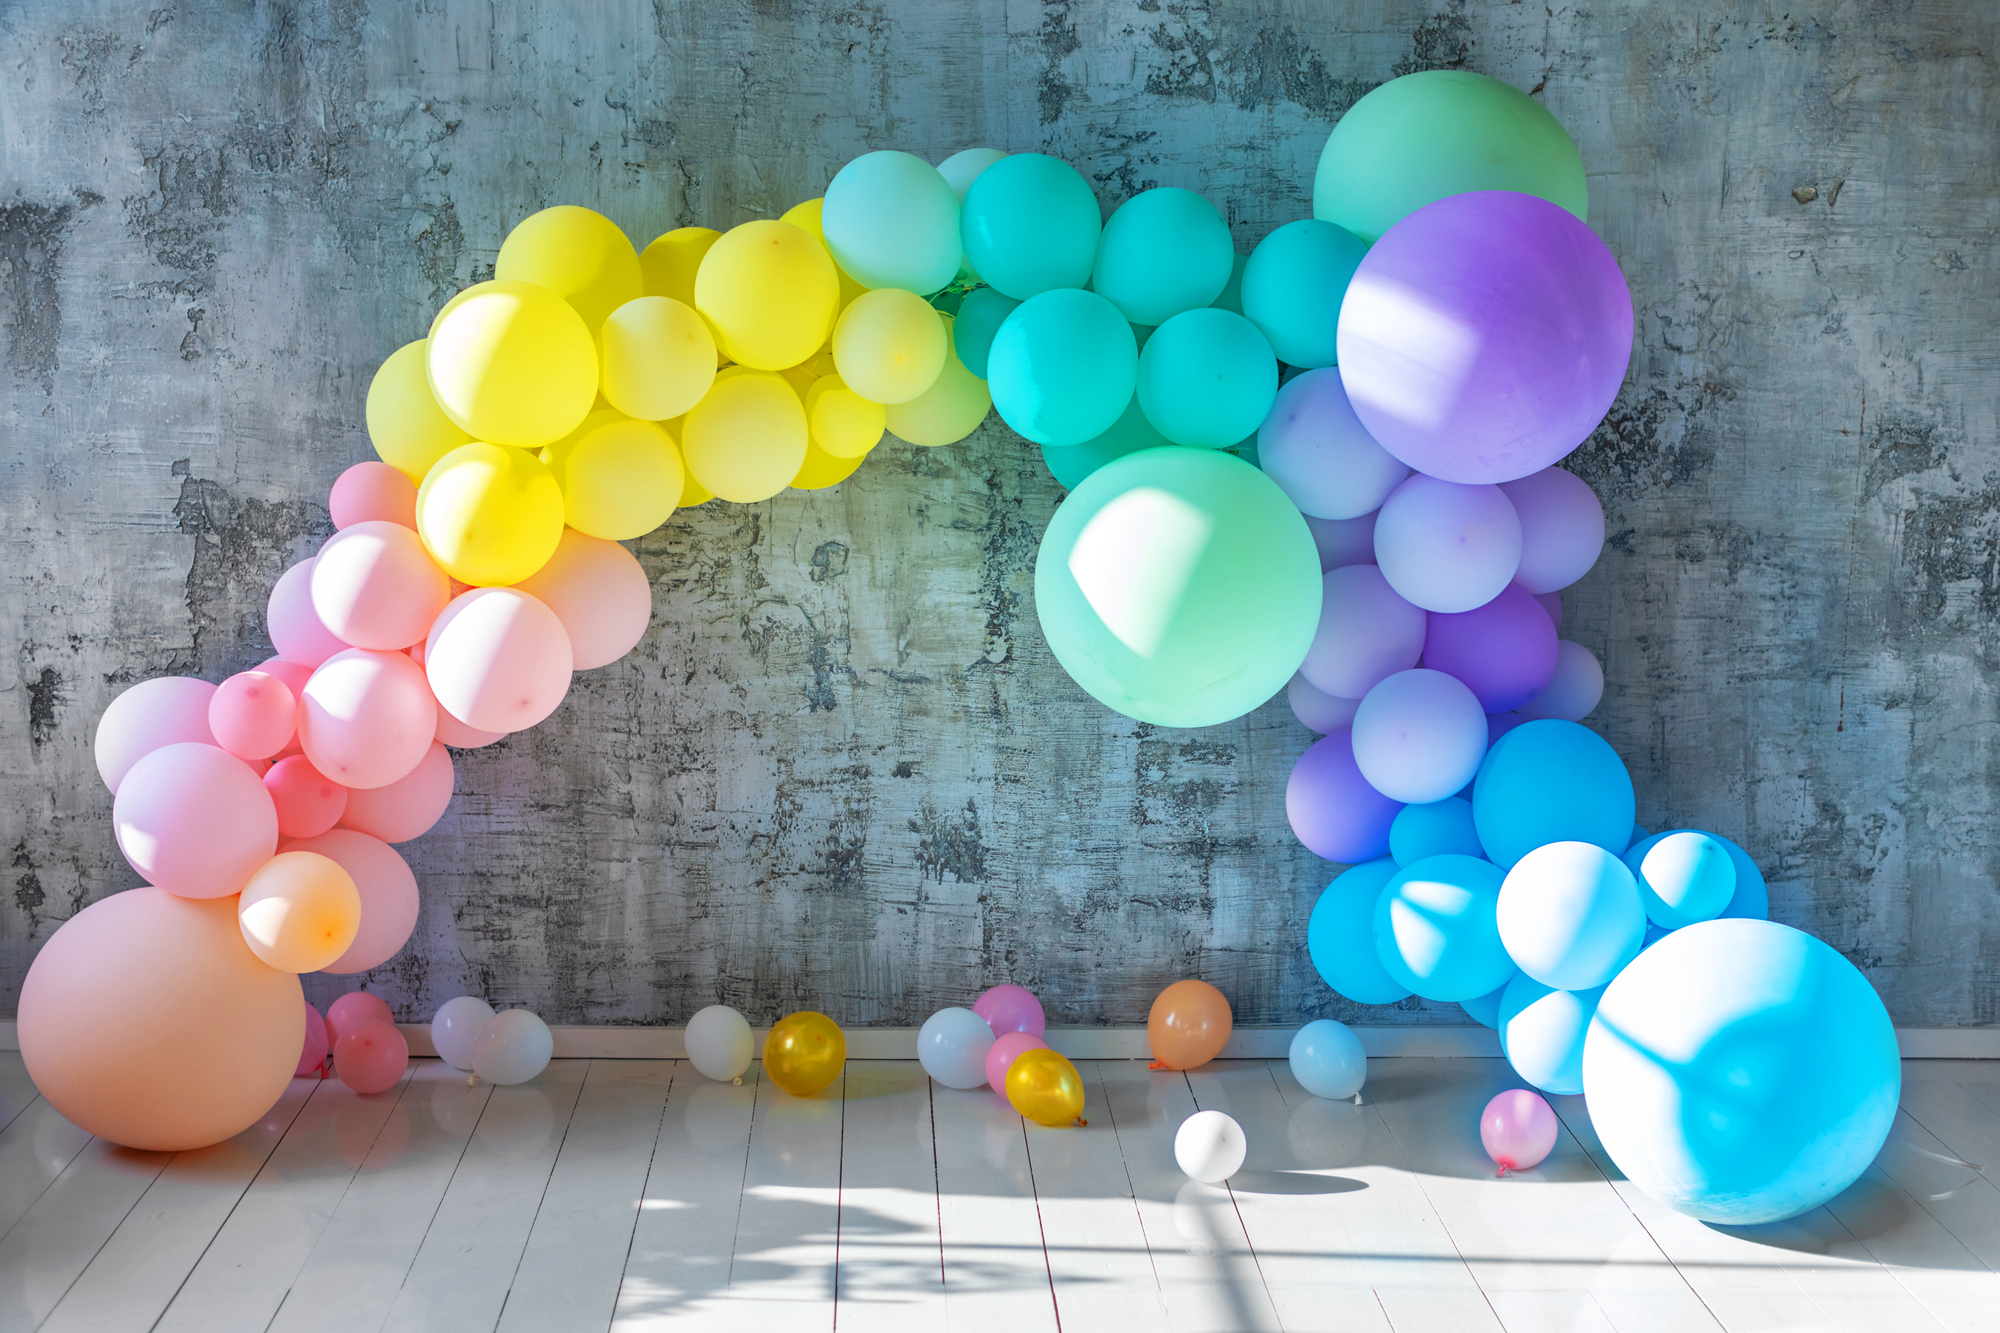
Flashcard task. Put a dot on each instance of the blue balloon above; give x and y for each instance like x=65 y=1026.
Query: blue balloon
x=1207 y=379
x=1340 y=935
x=1030 y=225
x=1164 y=251
x=1327 y=1059
x=1542 y=1031
x=1741 y=1072
x=1071 y=463
x=1683 y=877
x=1570 y=915
x=1485 y=1009
x=1435 y=930
x=1438 y=829
x=1752 y=901
x=1551 y=781
x=979 y=317
x=1293 y=286
x=1063 y=365
x=952 y=1047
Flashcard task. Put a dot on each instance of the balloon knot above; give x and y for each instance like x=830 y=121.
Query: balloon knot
x=737 y=1081
x=472 y=1080
x=1502 y=1172
x=1155 y=1064
x=1082 y=1123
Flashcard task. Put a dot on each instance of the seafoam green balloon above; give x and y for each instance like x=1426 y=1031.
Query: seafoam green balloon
x=980 y=315
x=1417 y=139
x=1293 y=285
x=1063 y=365
x=1164 y=251
x=1207 y=378
x=1178 y=586
x=890 y=220
x=1030 y=225
x=1070 y=464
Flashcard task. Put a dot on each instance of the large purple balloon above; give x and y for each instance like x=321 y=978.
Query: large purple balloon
x=1313 y=446
x=1366 y=632
x=1485 y=336
x=1562 y=528
x=1447 y=547
x=1333 y=810
x=1504 y=651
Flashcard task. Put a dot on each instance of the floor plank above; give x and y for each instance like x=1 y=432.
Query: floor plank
x=996 y=1273
x=17 y=1090
x=781 y=1270
x=35 y=1149
x=58 y=1236
x=890 y=1273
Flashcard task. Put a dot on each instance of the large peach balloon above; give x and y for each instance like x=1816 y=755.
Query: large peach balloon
x=309 y=802
x=599 y=592
x=299 y=912
x=295 y=628
x=408 y=807
x=367 y=718
x=147 y=716
x=388 y=897
x=1189 y=1024
x=194 y=820
x=253 y=715
x=372 y=490
x=375 y=586
x=147 y=1021
x=498 y=659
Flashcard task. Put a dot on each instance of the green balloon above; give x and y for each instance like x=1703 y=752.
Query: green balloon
x=1062 y=366
x=1030 y=225
x=1070 y=464
x=1178 y=587
x=980 y=315
x=1293 y=287
x=1207 y=378
x=1417 y=139
x=1164 y=251
x=890 y=220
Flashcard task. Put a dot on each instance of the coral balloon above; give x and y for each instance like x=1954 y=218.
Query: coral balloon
x=1518 y=1130
x=299 y=912
x=388 y=896
x=951 y=409
x=1314 y=447
x=1188 y=1024
x=405 y=424
x=1009 y=1008
x=374 y=491
x=194 y=820
x=600 y=594
x=747 y=439
x=351 y=1010
x=620 y=478
x=892 y=221
x=770 y=293
x=513 y=1047
x=804 y=1053
x=1045 y=1087
x=659 y=358
x=375 y=586
x=489 y=515
x=295 y=628
x=498 y=659
x=578 y=254
x=312 y=1057
x=308 y=801
x=455 y=1028
x=1007 y=1048
x=890 y=345
x=366 y=718
x=408 y=807
x=371 y=1057
x=147 y=716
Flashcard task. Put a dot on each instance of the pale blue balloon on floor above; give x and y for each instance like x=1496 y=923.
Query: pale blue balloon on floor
x=952 y=1046
x=1551 y=781
x=1435 y=930
x=1340 y=935
x=1570 y=915
x=1327 y=1059
x=1542 y=1031
x=1485 y=1009
x=1683 y=877
x=1440 y=828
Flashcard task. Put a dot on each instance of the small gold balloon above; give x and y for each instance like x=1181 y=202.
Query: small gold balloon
x=806 y=1052
x=1045 y=1087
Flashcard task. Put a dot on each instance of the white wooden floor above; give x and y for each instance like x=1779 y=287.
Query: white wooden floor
x=636 y=1194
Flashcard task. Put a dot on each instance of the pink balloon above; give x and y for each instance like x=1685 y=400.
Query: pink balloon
x=599 y=592
x=1447 y=547
x=408 y=807
x=194 y=820
x=295 y=628
x=498 y=659
x=1343 y=541
x=353 y=1009
x=1002 y=1056
x=1518 y=1130
x=388 y=896
x=312 y=1060
x=370 y=491
x=1504 y=651
x=1318 y=710
x=367 y=718
x=1367 y=633
x=452 y=732
x=1011 y=1009
x=153 y=713
x=370 y=1057
x=1333 y=810
x=253 y=715
x=295 y=675
x=1562 y=528
x=375 y=585
x=308 y=801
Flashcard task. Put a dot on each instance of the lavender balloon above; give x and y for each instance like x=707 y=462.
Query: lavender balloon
x=1313 y=446
x=1504 y=651
x=1343 y=541
x=1562 y=528
x=1574 y=690
x=1550 y=602
x=1333 y=810
x=1419 y=736
x=1366 y=632
x=1485 y=336
x=1447 y=547
x=1323 y=712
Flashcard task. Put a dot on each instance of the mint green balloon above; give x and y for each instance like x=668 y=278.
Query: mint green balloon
x=1207 y=378
x=1417 y=139
x=1164 y=251
x=891 y=220
x=1062 y=366
x=1293 y=286
x=1030 y=225
x=1178 y=587
x=1070 y=464
x=980 y=315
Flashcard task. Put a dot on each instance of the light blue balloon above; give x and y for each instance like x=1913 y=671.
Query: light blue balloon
x=1063 y=365
x=1683 y=877
x=1294 y=284
x=1207 y=379
x=1327 y=1059
x=1570 y=915
x=1440 y=828
x=1542 y=1031
x=1741 y=1072
x=980 y=315
x=1070 y=464
x=1340 y=935
x=1031 y=225
x=1435 y=930
x=1551 y=781
x=952 y=1047
x=1485 y=1009
x=1164 y=251
x=891 y=220
x=1752 y=900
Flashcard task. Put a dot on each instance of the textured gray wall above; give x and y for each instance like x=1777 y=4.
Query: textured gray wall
x=842 y=770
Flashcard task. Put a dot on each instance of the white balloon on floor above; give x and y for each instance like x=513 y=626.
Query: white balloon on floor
x=718 y=1042
x=1210 y=1147
x=457 y=1026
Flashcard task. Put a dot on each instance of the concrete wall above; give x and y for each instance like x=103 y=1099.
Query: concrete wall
x=843 y=771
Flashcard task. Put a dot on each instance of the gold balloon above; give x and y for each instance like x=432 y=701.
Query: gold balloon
x=669 y=264
x=842 y=422
x=578 y=254
x=806 y=1052
x=1045 y=1087
x=747 y=439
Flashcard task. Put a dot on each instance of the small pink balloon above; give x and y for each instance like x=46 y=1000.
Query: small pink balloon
x=375 y=585
x=388 y=896
x=498 y=659
x=253 y=715
x=295 y=675
x=599 y=592
x=1011 y=1008
x=370 y=1057
x=194 y=820
x=1001 y=1057
x=153 y=713
x=295 y=628
x=1562 y=528
x=312 y=1060
x=350 y=1011
x=372 y=491
x=408 y=807
x=452 y=732
x=1518 y=1130
x=366 y=717
x=308 y=801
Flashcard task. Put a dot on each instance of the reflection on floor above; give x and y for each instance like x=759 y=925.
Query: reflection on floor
x=636 y=1194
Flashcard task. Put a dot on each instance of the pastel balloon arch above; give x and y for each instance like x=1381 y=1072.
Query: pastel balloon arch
x=1327 y=468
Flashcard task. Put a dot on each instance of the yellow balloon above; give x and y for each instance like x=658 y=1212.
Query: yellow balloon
x=890 y=345
x=659 y=358
x=407 y=427
x=1045 y=1087
x=747 y=439
x=842 y=422
x=769 y=292
x=578 y=254
x=801 y=378
x=299 y=912
x=945 y=413
x=805 y=1053
x=806 y=217
x=512 y=363
x=490 y=516
x=669 y=264
x=620 y=478
x=821 y=469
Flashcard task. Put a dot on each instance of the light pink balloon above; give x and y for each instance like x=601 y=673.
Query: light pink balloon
x=599 y=592
x=1518 y=1130
x=367 y=718
x=408 y=807
x=153 y=713
x=370 y=1057
x=253 y=715
x=375 y=585
x=372 y=490
x=388 y=900
x=308 y=801
x=1562 y=528
x=452 y=732
x=1006 y=1049
x=295 y=628
x=1367 y=633
x=498 y=659
x=352 y=1009
x=312 y=1059
x=194 y=820
x=295 y=675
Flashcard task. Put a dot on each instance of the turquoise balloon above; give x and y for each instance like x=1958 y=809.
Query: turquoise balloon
x=1232 y=291
x=1435 y=931
x=1437 y=829
x=1070 y=464
x=1551 y=781
x=1741 y=1072
x=1030 y=225
x=980 y=315
x=1294 y=284
x=1207 y=379
x=1542 y=1031
x=1062 y=366
x=1164 y=251
x=1176 y=586
x=890 y=220
x=1751 y=901
x=1340 y=935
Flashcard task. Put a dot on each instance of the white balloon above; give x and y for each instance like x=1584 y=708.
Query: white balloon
x=952 y=1047
x=1210 y=1147
x=456 y=1027
x=718 y=1043
x=512 y=1048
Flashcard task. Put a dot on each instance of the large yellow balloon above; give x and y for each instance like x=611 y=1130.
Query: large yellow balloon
x=890 y=345
x=948 y=411
x=747 y=439
x=512 y=363
x=620 y=478
x=299 y=912
x=578 y=254
x=843 y=423
x=805 y=1053
x=669 y=264
x=821 y=469
x=490 y=516
x=407 y=427
x=659 y=358
x=1045 y=1087
x=770 y=293
x=806 y=217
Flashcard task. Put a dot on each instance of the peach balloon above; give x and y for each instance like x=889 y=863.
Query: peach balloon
x=371 y=1056
x=366 y=718
x=452 y=732
x=370 y=491
x=147 y=716
x=599 y=592
x=146 y=1020
x=194 y=820
x=253 y=715
x=350 y=1011
x=295 y=628
x=498 y=659
x=1189 y=1024
x=388 y=897
x=308 y=801
x=375 y=585
x=312 y=1059
x=299 y=911
x=408 y=807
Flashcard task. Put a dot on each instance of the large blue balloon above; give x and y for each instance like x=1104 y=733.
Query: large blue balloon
x=1551 y=781
x=1435 y=930
x=1542 y=1031
x=1340 y=935
x=1752 y=901
x=1741 y=1071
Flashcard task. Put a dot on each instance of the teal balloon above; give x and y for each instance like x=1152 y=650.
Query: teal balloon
x=980 y=314
x=1752 y=899
x=1232 y=291
x=1683 y=877
x=1294 y=284
x=1164 y=251
x=1435 y=930
x=1542 y=1031
x=1177 y=586
x=1437 y=829
x=1030 y=225
x=1207 y=379
x=1484 y=1009
x=1551 y=781
x=1070 y=464
x=1062 y=366
x=890 y=220
x=1340 y=935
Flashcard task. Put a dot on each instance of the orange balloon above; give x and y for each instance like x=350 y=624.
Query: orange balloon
x=1189 y=1024
x=146 y=1020
x=300 y=911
